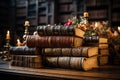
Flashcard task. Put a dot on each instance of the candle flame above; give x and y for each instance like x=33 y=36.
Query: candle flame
x=119 y=28
x=18 y=40
x=8 y=32
x=96 y=24
x=8 y=35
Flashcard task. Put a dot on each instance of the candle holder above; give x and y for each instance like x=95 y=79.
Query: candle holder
x=26 y=32
x=7 y=50
x=86 y=16
x=26 y=29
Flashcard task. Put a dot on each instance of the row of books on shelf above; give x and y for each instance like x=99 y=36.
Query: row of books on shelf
x=94 y=14
x=42 y=19
x=66 y=8
x=96 y=2
x=21 y=3
x=64 y=17
x=65 y=1
x=115 y=4
x=116 y=16
x=33 y=20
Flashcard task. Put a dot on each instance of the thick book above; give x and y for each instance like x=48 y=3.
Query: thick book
x=24 y=50
x=53 y=41
x=103 y=46
x=103 y=43
x=102 y=60
x=80 y=63
x=74 y=52
x=29 y=61
x=104 y=52
x=59 y=30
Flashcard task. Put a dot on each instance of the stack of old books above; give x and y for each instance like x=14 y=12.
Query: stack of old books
x=23 y=56
x=61 y=47
x=102 y=44
x=103 y=51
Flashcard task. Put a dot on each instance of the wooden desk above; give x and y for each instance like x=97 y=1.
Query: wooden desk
x=19 y=73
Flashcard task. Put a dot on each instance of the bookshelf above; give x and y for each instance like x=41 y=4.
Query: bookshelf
x=38 y=12
x=115 y=7
x=32 y=12
x=46 y=12
x=69 y=8
x=21 y=12
x=98 y=10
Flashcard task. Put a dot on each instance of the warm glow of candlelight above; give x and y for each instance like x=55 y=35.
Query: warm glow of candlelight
x=18 y=42
x=8 y=35
x=96 y=24
x=115 y=34
x=27 y=23
x=86 y=14
x=119 y=29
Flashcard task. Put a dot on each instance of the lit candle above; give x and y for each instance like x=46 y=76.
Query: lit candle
x=18 y=42
x=119 y=29
x=96 y=25
x=86 y=14
x=8 y=35
x=115 y=34
x=27 y=23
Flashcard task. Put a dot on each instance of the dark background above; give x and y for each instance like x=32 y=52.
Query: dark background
x=13 y=14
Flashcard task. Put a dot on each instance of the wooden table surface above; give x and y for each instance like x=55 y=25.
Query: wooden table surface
x=103 y=72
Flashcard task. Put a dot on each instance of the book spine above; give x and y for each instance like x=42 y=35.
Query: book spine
x=27 y=58
x=28 y=65
x=65 y=62
x=90 y=40
x=24 y=50
x=80 y=52
x=26 y=61
x=50 y=41
x=56 y=30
